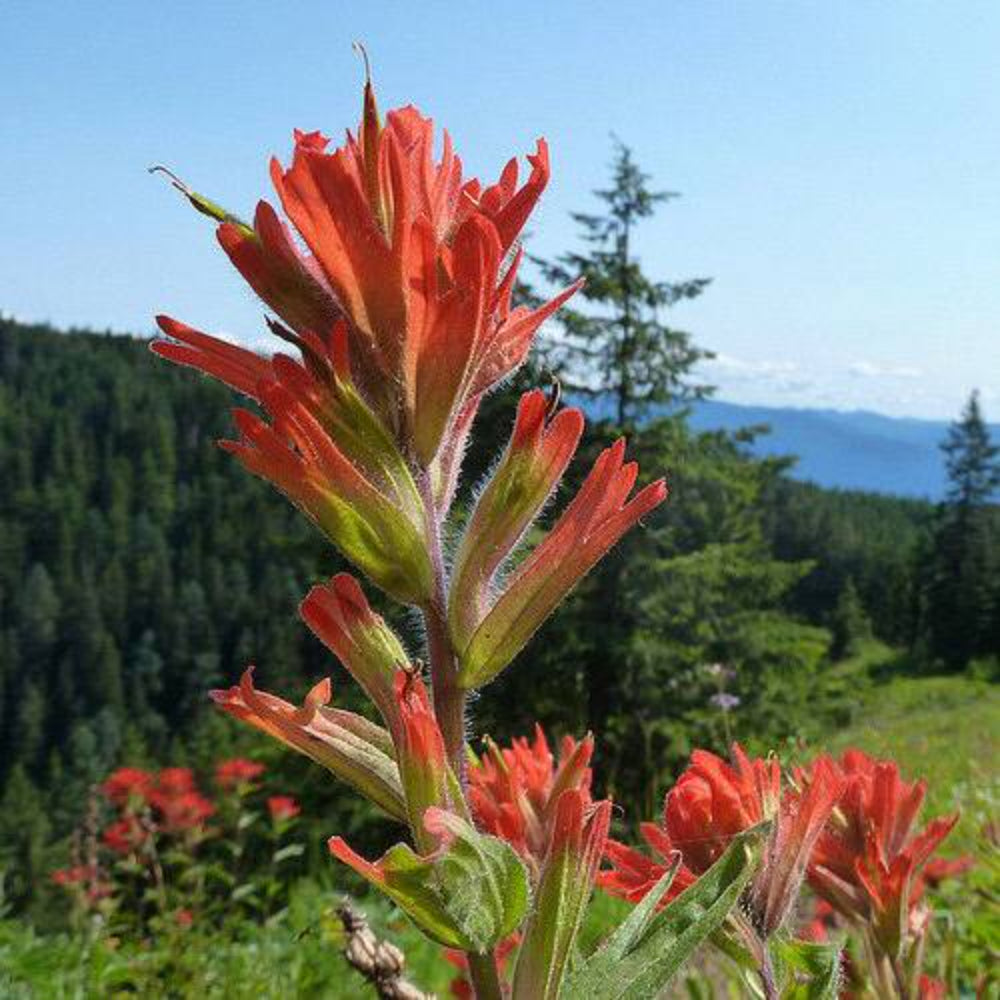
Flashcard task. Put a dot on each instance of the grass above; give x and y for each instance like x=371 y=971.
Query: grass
x=944 y=729
x=296 y=956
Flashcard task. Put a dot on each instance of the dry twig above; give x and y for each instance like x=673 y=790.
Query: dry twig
x=380 y=962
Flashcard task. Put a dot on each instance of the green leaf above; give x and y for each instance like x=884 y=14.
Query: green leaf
x=628 y=934
x=483 y=884
x=819 y=963
x=651 y=956
x=288 y=851
x=469 y=894
x=243 y=891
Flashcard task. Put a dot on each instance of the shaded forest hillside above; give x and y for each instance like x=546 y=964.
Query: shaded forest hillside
x=140 y=566
x=137 y=563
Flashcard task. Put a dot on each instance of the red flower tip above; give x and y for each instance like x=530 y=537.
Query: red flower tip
x=283 y=807
x=313 y=142
x=233 y=773
x=127 y=784
x=871 y=866
x=514 y=791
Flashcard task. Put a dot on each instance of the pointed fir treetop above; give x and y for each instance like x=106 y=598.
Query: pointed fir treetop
x=971 y=458
x=621 y=348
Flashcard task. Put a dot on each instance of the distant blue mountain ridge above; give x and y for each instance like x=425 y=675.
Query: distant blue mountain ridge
x=850 y=450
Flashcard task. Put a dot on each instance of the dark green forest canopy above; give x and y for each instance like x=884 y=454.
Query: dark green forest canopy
x=140 y=566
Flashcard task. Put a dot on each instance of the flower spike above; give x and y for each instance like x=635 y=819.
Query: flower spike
x=595 y=519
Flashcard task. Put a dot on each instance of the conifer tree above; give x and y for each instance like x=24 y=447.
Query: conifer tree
x=619 y=347
x=849 y=623
x=961 y=594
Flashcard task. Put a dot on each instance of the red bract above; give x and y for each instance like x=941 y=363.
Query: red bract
x=124 y=835
x=869 y=864
x=282 y=807
x=127 y=784
x=929 y=988
x=342 y=619
x=714 y=801
x=598 y=516
x=711 y=803
x=420 y=753
x=354 y=749
x=183 y=811
x=513 y=790
x=232 y=773
x=175 y=781
x=417 y=263
x=938 y=869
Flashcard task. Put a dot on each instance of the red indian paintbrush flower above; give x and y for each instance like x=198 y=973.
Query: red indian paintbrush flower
x=513 y=791
x=174 y=781
x=237 y=772
x=418 y=261
x=127 y=784
x=711 y=803
x=869 y=864
x=282 y=807
x=125 y=835
x=418 y=264
x=186 y=811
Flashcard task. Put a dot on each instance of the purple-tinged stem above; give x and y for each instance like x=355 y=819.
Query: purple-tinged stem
x=449 y=709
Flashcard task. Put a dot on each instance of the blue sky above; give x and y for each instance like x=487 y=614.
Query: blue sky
x=839 y=163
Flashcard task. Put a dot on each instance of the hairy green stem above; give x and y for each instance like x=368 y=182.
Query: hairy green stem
x=449 y=708
x=449 y=698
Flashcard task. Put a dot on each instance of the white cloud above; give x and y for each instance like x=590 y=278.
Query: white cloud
x=873 y=369
x=741 y=368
